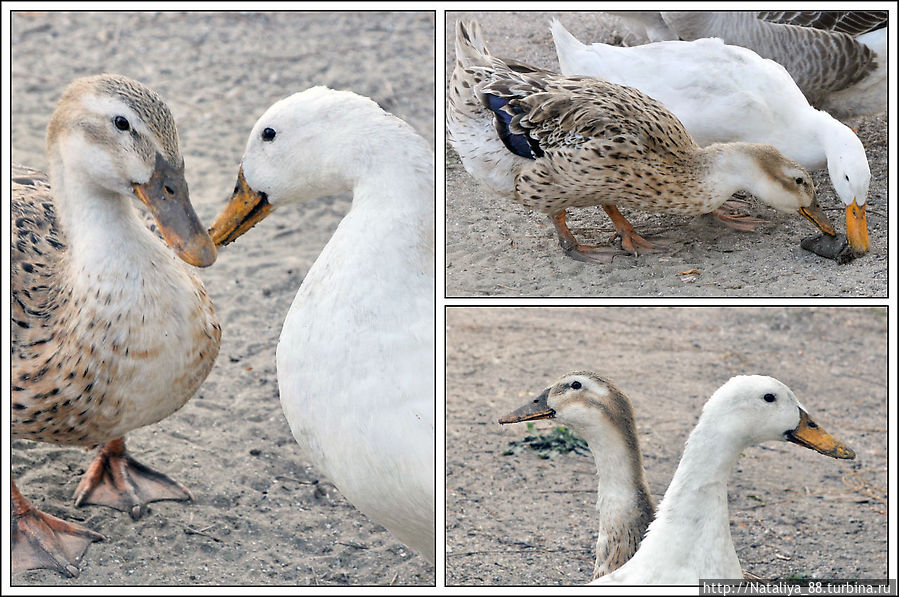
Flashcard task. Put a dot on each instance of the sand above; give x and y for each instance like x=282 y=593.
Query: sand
x=495 y=247
x=262 y=515
x=520 y=520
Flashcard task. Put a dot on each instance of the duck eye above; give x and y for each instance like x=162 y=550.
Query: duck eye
x=121 y=123
x=576 y=385
x=800 y=180
x=268 y=134
x=770 y=397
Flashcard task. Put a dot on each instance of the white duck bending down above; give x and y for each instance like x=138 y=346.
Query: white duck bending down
x=690 y=536
x=838 y=59
x=724 y=93
x=110 y=330
x=356 y=354
x=553 y=142
x=602 y=415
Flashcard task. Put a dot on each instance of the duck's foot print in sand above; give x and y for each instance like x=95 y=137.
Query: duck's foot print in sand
x=116 y=480
x=40 y=540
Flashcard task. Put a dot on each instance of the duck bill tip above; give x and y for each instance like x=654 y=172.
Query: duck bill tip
x=817 y=217
x=812 y=436
x=245 y=209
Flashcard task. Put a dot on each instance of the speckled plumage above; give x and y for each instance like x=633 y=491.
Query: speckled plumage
x=596 y=143
x=110 y=330
x=78 y=348
x=74 y=355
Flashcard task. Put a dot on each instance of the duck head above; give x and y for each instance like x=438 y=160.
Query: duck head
x=581 y=400
x=786 y=186
x=752 y=409
x=305 y=146
x=121 y=136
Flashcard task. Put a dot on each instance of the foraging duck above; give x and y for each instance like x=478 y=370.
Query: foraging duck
x=356 y=353
x=690 y=536
x=838 y=59
x=602 y=415
x=110 y=331
x=553 y=142
x=723 y=93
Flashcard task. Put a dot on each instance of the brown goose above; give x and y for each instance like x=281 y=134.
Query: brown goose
x=110 y=330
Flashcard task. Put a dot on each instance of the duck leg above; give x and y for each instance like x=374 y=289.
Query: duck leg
x=575 y=250
x=43 y=541
x=116 y=480
x=630 y=240
x=737 y=221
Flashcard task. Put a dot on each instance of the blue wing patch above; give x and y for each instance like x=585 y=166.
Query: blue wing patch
x=515 y=142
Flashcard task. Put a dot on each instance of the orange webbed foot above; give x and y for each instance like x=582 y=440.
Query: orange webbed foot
x=116 y=480
x=40 y=540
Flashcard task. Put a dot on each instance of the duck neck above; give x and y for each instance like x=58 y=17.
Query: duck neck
x=624 y=505
x=393 y=203
x=699 y=488
x=733 y=167
x=107 y=244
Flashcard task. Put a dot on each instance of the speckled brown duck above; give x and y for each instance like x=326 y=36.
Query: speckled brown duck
x=553 y=142
x=602 y=415
x=110 y=330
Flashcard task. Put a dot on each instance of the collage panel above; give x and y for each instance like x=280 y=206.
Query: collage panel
x=209 y=293
x=598 y=403
x=658 y=130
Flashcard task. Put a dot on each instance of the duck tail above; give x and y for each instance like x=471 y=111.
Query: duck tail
x=566 y=44
x=470 y=46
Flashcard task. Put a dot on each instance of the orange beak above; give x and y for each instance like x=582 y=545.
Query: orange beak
x=245 y=209
x=857 y=227
x=810 y=435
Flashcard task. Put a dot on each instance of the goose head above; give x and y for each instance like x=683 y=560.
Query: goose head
x=583 y=401
x=750 y=409
x=308 y=145
x=119 y=136
x=781 y=183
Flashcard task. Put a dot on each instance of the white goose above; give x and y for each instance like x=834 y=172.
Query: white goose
x=356 y=354
x=837 y=59
x=602 y=415
x=690 y=536
x=724 y=93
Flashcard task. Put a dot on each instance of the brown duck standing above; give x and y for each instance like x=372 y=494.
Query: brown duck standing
x=110 y=330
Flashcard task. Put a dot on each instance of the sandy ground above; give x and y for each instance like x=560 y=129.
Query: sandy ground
x=495 y=247
x=262 y=515
x=520 y=520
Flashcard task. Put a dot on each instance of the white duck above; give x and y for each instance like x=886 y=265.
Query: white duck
x=838 y=59
x=724 y=93
x=602 y=415
x=690 y=536
x=356 y=354
x=111 y=331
